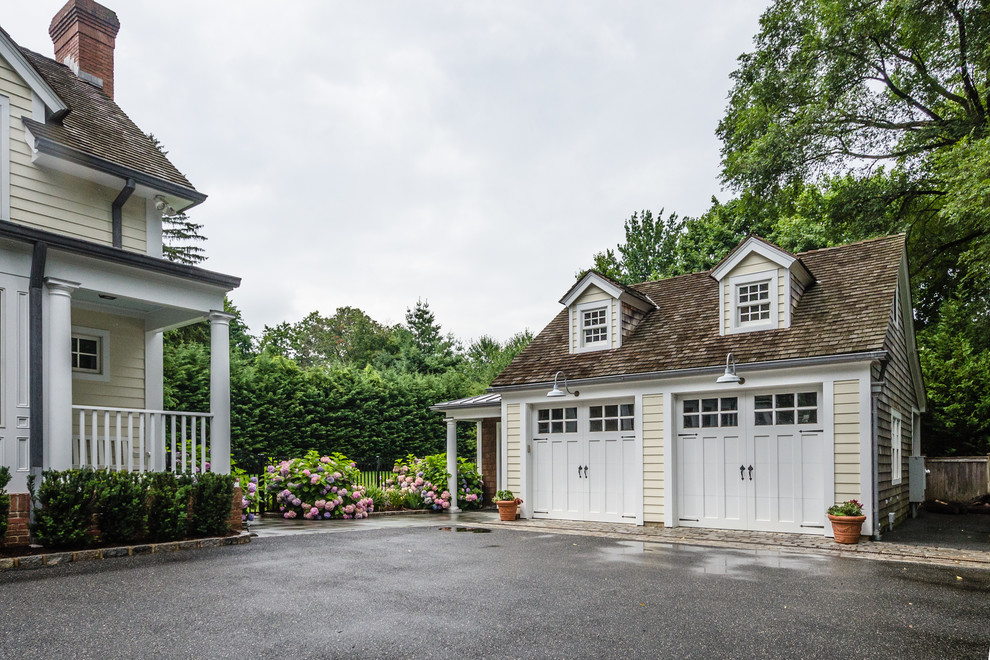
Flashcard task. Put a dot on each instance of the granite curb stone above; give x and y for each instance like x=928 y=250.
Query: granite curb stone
x=61 y=558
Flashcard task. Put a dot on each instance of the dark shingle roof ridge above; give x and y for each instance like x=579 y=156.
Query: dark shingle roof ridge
x=885 y=237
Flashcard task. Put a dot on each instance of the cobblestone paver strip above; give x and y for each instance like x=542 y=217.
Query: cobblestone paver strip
x=745 y=540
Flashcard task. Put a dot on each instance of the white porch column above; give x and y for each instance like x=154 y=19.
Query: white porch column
x=220 y=391
x=452 y=464
x=58 y=375
x=479 y=447
x=154 y=398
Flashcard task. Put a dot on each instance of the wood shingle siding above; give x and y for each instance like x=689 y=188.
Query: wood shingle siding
x=653 y=458
x=897 y=393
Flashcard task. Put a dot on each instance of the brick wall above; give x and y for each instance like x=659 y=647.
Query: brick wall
x=236 y=524
x=17 y=524
x=489 y=467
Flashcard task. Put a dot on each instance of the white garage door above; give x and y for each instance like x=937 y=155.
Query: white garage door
x=584 y=463
x=751 y=461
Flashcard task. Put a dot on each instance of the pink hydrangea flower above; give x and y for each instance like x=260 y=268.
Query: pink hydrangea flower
x=315 y=479
x=306 y=472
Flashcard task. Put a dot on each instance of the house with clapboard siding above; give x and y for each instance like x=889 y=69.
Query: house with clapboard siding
x=752 y=396
x=85 y=294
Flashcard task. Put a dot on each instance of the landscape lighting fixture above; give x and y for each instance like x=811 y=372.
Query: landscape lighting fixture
x=730 y=372
x=556 y=391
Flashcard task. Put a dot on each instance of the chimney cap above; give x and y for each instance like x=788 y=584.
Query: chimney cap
x=87 y=11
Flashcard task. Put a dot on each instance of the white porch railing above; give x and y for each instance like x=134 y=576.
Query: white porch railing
x=129 y=439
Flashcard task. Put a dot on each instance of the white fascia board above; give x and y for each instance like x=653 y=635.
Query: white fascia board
x=778 y=256
x=10 y=52
x=126 y=281
x=589 y=279
x=636 y=302
x=472 y=414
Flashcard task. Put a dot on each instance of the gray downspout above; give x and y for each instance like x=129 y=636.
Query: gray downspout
x=36 y=364
x=876 y=387
x=116 y=213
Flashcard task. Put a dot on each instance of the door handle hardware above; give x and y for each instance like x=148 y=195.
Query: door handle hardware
x=742 y=473
x=585 y=471
x=750 y=468
x=579 y=472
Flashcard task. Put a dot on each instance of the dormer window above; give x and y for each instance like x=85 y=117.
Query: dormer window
x=594 y=327
x=753 y=302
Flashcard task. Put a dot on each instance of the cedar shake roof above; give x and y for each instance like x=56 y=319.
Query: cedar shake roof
x=96 y=125
x=845 y=311
x=619 y=285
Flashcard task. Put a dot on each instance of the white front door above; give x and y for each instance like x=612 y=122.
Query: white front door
x=751 y=462
x=584 y=463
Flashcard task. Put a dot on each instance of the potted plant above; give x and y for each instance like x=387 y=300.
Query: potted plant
x=507 y=504
x=847 y=521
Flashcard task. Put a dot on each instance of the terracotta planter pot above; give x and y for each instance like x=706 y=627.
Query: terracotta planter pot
x=507 y=509
x=847 y=529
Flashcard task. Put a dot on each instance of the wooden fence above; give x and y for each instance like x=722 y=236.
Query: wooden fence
x=957 y=479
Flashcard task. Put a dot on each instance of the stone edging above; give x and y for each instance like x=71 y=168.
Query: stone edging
x=59 y=558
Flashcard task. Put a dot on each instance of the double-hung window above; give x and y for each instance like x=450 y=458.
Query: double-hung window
x=593 y=325
x=754 y=301
x=90 y=354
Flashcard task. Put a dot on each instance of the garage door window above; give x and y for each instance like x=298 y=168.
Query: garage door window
x=786 y=408
x=711 y=413
x=556 y=420
x=611 y=418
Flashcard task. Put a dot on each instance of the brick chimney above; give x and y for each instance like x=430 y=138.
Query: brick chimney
x=84 y=33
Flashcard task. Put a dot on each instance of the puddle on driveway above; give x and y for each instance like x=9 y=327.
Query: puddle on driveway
x=472 y=530
x=737 y=564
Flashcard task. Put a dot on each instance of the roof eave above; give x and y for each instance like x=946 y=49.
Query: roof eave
x=12 y=53
x=700 y=371
x=48 y=147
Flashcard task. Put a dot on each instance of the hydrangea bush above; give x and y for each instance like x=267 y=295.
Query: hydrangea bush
x=249 y=492
x=319 y=487
x=421 y=483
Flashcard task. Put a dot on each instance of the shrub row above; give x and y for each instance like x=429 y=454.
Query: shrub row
x=4 y=500
x=126 y=507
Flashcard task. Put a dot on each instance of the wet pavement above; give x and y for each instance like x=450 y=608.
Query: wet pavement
x=437 y=588
x=927 y=540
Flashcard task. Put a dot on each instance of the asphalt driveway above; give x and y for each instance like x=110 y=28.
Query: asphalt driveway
x=425 y=592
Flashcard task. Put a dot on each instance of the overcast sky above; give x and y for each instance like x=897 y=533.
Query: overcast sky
x=474 y=154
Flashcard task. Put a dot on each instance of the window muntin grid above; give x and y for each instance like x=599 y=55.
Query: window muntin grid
x=785 y=408
x=613 y=417
x=711 y=412
x=753 y=301
x=556 y=420
x=594 y=325
x=87 y=354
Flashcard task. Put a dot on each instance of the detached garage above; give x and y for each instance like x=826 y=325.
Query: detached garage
x=752 y=396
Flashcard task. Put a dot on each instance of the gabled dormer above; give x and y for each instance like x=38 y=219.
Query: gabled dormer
x=760 y=284
x=602 y=312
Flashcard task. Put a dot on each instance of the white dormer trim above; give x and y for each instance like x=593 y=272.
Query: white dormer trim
x=590 y=279
x=10 y=52
x=752 y=244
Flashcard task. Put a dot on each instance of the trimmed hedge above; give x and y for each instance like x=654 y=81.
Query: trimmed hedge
x=75 y=508
x=4 y=500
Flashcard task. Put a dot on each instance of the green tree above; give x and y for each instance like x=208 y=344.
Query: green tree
x=486 y=357
x=180 y=235
x=348 y=337
x=866 y=101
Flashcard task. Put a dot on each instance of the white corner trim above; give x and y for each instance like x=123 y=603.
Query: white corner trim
x=17 y=61
x=607 y=305
x=778 y=256
x=590 y=279
x=104 y=337
x=771 y=276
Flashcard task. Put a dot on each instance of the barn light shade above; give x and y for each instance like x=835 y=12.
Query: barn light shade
x=730 y=372
x=556 y=391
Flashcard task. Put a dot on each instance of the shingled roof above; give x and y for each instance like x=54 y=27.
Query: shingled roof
x=845 y=311
x=96 y=125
